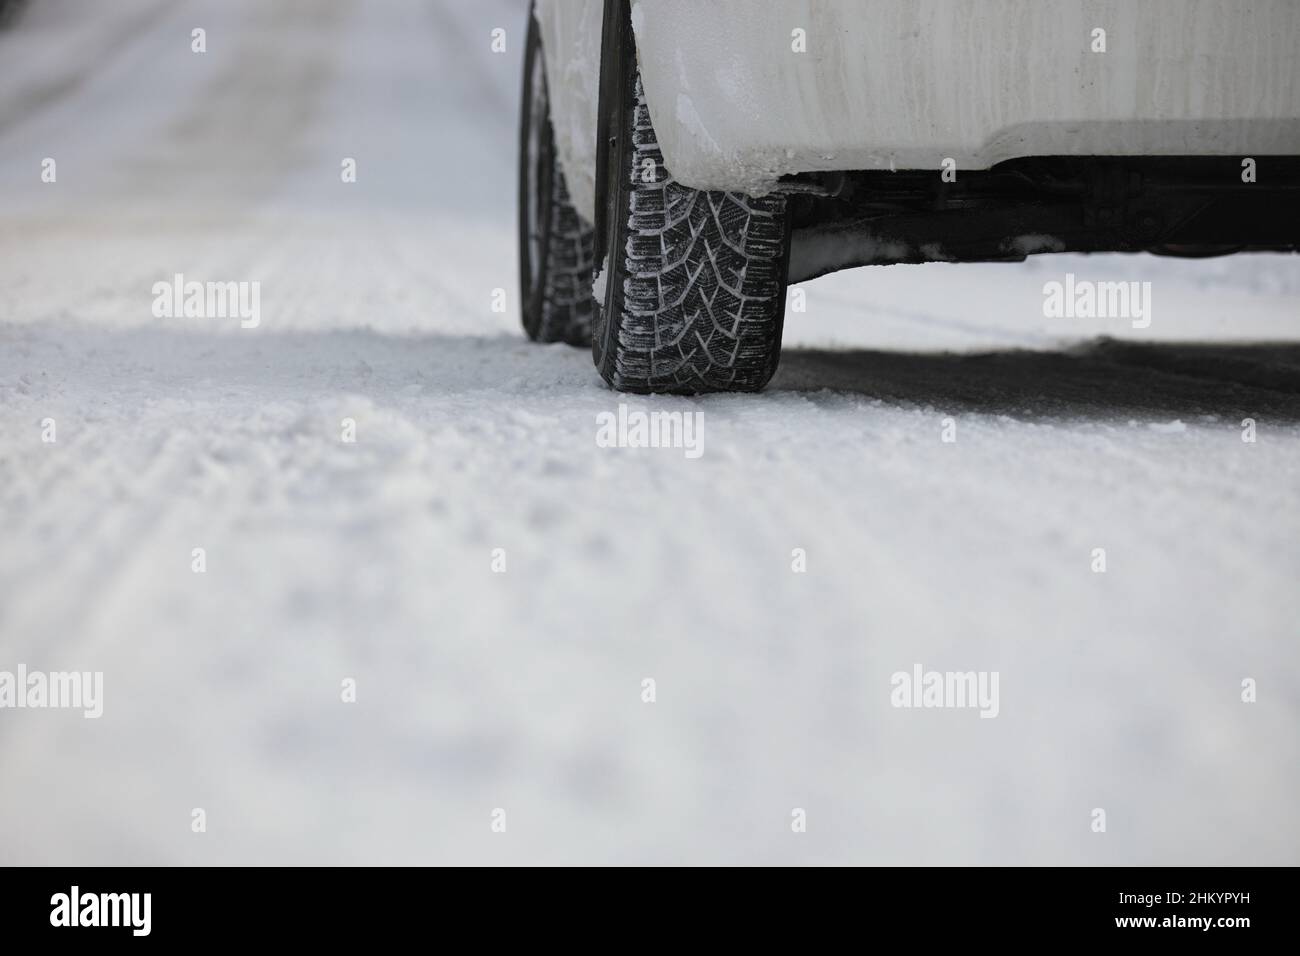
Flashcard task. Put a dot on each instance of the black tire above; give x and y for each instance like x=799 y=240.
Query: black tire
x=555 y=245
x=10 y=10
x=694 y=283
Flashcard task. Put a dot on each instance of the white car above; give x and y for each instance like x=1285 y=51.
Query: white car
x=683 y=160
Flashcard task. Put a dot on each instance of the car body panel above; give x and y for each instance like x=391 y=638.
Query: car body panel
x=906 y=84
x=571 y=32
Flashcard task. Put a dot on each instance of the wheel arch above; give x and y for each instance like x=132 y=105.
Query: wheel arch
x=571 y=49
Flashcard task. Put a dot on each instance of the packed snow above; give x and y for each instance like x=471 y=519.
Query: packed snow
x=500 y=583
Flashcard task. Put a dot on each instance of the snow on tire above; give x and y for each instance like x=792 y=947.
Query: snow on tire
x=566 y=304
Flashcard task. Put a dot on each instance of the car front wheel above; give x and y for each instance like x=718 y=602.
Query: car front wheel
x=555 y=245
x=690 y=294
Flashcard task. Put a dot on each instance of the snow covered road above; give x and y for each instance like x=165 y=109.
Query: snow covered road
x=372 y=561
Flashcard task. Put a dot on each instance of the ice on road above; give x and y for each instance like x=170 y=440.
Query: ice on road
x=476 y=690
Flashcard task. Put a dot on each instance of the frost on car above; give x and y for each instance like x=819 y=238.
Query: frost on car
x=682 y=162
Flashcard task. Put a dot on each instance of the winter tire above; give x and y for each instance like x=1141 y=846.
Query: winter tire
x=691 y=290
x=555 y=245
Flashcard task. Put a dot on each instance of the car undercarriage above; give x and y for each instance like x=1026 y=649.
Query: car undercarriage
x=1199 y=206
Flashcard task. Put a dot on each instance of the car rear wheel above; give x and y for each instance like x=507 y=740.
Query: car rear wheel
x=691 y=290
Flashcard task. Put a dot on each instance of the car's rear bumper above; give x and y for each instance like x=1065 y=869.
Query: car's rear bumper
x=908 y=83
